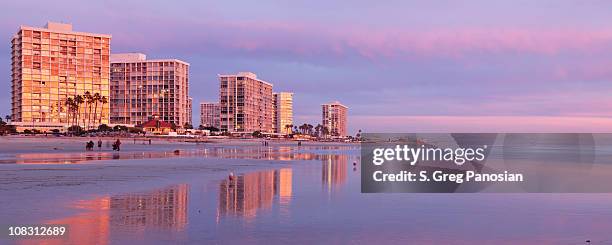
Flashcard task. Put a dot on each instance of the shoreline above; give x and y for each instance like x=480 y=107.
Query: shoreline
x=179 y=139
x=34 y=150
x=52 y=144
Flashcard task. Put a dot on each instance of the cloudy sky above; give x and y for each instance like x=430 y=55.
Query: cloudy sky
x=519 y=65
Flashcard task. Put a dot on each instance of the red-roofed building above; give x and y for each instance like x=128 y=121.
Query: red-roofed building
x=157 y=126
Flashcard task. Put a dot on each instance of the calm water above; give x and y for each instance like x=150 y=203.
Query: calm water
x=315 y=198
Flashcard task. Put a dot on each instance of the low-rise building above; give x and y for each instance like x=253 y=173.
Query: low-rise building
x=156 y=126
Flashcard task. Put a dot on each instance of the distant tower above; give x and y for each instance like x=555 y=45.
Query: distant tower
x=246 y=103
x=210 y=114
x=335 y=118
x=283 y=112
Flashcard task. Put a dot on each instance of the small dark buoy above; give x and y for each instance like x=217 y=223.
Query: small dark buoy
x=588 y=241
x=177 y=152
x=354 y=163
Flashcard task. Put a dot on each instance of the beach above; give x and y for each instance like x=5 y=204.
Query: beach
x=238 y=191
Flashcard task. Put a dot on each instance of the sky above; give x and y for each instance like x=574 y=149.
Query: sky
x=400 y=66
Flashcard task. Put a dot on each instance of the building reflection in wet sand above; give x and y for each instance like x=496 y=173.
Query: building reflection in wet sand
x=334 y=171
x=247 y=194
x=164 y=208
x=285 y=176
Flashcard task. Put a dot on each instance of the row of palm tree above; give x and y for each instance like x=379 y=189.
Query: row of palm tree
x=89 y=100
x=319 y=130
x=306 y=128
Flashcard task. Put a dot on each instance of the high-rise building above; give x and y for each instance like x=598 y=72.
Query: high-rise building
x=210 y=114
x=246 y=103
x=51 y=64
x=334 y=118
x=283 y=112
x=142 y=88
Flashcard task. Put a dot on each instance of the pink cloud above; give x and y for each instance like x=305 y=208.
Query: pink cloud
x=396 y=43
x=307 y=39
x=457 y=42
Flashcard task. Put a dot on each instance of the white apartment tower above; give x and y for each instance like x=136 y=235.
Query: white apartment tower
x=334 y=118
x=283 y=112
x=246 y=103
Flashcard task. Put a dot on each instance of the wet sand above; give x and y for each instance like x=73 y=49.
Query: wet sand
x=43 y=178
x=279 y=194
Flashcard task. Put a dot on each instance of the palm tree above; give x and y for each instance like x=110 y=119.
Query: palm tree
x=88 y=102
x=295 y=129
x=104 y=101
x=69 y=102
x=75 y=111
x=8 y=118
x=78 y=100
x=325 y=130
x=96 y=99
x=288 y=127
x=309 y=128
x=318 y=129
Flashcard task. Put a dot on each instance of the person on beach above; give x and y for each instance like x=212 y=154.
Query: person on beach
x=117 y=145
x=89 y=145
x=99 y=144
x=149 y=141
